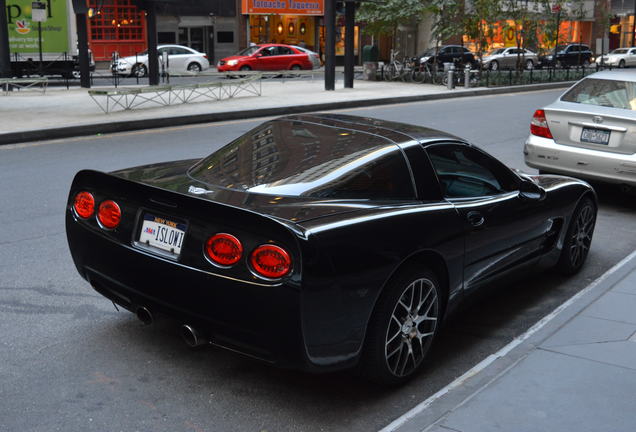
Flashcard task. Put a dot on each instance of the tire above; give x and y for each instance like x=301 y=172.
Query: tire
x=559 y=64
x=621 y=64
x=578 y=237
x=296 y=68
x=494 y=65
x=529 y=64
x=194 y=67
x=586 y=63
x=139 y=70
x=389 y=73
x=403 y=327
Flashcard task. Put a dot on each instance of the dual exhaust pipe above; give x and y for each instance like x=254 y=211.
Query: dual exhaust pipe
x=191 y=336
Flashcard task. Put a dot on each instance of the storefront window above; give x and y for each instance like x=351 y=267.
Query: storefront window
x=119 y=21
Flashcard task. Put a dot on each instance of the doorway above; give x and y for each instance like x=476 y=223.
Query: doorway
x=198 y=38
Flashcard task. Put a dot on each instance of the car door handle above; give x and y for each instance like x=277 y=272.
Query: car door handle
x=475 y=218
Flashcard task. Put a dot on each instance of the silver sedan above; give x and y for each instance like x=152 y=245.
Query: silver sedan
x=590 y=131
x=506 y=58
x=620 y=57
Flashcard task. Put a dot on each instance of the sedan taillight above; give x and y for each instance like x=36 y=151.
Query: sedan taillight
x=539 y=125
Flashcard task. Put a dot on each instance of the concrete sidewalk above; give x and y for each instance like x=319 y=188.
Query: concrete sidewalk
x=574 y=371
x=30 y=115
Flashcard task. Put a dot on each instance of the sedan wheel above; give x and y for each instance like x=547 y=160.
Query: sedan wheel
x=621 y=64
x=578 y=238
x=494 y=65
x=139 y=70
x=529 y=65
x=194 y=67
x=403 y=327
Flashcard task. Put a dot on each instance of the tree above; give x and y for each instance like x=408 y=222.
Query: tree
x=384 y=17
x=479 y=22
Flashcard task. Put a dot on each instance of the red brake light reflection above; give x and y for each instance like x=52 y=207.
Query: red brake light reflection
x=270 y=261
x=84 y=205
x=109 y=214
x=224 y=249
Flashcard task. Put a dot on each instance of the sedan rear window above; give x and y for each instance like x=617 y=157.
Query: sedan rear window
x=296 y=158
x=600 y=92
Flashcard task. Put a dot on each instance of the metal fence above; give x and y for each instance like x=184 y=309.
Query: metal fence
x=486 y=78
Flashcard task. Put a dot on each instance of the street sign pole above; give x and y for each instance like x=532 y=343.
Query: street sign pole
x=5 y=56
x=350 y=9
x=330 y=45
x=38 y=14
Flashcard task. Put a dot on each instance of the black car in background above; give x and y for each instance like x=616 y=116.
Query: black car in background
x=572 y=54
x=456 y=54
x=322 y=241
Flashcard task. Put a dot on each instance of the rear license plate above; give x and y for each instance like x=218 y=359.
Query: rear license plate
x=162 y=233
x=595 y=136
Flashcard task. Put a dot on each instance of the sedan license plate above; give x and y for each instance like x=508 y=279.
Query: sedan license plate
x=162 y=233
x=595 y=136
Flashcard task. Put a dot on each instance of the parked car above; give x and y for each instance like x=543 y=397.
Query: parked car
x=322 y=241
x=588 y=132
x=506 y=58
x=620 y=57
x=572 y=54
x=448 y=54
x=270 y=57
x=180 y=58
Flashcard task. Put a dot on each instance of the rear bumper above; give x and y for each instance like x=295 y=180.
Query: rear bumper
x=259 y=321
x=545 y=154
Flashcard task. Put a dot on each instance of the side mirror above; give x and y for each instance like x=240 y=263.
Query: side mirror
x=259 y=55
x=529 y=190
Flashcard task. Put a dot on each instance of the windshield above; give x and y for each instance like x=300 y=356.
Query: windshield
x=296 y=158
x=428 y=53
x=619 y=51
x=601 y=92
x=496 y=51
x=248 y=51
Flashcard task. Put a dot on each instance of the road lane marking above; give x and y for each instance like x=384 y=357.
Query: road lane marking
x=400 y=421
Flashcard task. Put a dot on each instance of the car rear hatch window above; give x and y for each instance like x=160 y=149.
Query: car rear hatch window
x=598 y=114
x=304 y=159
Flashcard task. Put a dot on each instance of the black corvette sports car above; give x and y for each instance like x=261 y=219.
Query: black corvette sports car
x=322 y=242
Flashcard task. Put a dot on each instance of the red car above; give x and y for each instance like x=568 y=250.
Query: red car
x=270 y=57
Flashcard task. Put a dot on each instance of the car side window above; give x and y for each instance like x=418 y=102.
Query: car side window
x=284 y=51
x=465 y=172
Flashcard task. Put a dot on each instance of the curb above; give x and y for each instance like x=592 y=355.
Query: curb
x=433 y=410
x=126 y=126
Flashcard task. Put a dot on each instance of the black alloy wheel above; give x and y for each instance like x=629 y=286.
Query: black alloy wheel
x=578 y=237
x=403 y=327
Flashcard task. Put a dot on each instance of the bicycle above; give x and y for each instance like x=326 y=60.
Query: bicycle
x=394 y=69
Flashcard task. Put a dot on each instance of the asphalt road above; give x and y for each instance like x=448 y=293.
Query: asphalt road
x=70 y=362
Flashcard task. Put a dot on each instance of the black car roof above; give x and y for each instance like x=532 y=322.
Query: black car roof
x=399 y=133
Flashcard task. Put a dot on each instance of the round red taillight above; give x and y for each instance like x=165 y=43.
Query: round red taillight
x=224 y=249
x=270 y=261
x=109 y=214
x=84 y=205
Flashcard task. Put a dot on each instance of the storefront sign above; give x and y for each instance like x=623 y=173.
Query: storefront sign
x=23 y=32
x=283 y=7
